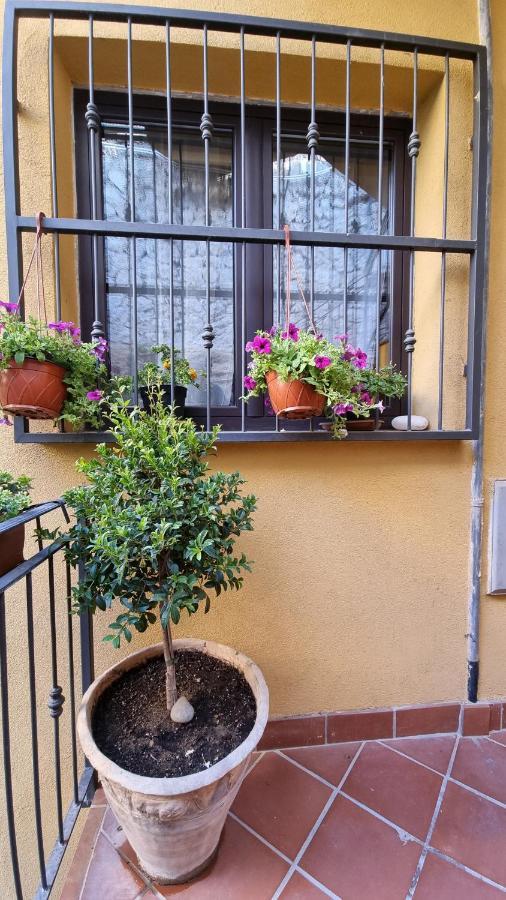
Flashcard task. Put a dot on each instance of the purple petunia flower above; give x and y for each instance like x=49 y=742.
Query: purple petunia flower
x=100 y=349
x=261 y=344
x=342 y=337
x=322 y=362
x=10 y=308
x=249 y=347
x=292 y=334
x=274 y=330
x=94 y=395
x=5 y=421
x=340 y=409
x=249 y=383
x=268 y=406
x=360 y=360
x=365 y=397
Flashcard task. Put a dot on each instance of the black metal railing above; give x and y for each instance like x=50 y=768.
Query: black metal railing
x=243 y=235
x=35 y=613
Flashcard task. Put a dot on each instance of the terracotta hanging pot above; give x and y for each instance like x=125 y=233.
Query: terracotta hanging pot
x=293 y=399
x=33 y=389
x=12 y=544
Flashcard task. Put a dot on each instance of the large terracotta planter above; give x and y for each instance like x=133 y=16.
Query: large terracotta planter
x=12 y=543
x=33 y=389
x=174 y=824
x=293 y=399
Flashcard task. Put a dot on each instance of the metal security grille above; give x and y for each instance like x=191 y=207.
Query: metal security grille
x=241 y=235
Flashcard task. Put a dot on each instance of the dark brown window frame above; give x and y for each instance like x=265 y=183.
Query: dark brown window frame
x=260 y=126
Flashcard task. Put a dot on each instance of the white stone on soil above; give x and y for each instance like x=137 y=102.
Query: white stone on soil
x=182 y=711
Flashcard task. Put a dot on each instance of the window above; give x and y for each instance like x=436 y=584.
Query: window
x=346 y=283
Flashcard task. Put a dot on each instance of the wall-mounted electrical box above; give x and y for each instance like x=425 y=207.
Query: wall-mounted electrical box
x=497 y=568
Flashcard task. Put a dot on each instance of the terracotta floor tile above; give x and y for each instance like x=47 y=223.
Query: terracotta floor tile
x=472 y=830
x=444 y=881
x=432 y=751
x=244 y=869
x=117 y=837
x=499 y=736
x=330 y=761
x=281 y=802
x=109 y=876
x=84 y=849
x=299 y=888
x=482 y=765
x=357 y=856
x=99 y=798
x=397 y=788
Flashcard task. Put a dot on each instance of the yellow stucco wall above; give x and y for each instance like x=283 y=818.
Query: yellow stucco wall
x=359 y=592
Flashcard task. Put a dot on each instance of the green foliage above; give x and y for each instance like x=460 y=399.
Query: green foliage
x=14 y=495
x=337 y=371
x=155 y=526
x=184 y=374
x=59 y=343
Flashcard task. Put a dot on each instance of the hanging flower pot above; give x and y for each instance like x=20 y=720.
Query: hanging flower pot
x=33 y=389
x=12 y=545
x=293 y=399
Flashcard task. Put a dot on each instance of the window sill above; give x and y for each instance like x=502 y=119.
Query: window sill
x=23 y=436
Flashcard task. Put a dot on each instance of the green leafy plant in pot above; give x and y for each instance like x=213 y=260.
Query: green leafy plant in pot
x=157 y=530
x=14 y=499
x=152 y=375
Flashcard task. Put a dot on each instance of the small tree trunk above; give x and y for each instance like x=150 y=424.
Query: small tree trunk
x=170 y=674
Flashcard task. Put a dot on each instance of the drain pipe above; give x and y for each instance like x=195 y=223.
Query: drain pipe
x=473 y=630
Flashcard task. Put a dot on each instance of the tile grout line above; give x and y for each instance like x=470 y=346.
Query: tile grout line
x=92 y=851
x=299 y=765
x=459 y=865
x=138 y=871
x=261 y=838
x=439 y=802
x=312 y=880
x=493 y=741
x=411 y=759
x=402 y=833
x=316 y=825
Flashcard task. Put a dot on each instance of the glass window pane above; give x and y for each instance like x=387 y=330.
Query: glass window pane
x=329 y=263
x=153 y=256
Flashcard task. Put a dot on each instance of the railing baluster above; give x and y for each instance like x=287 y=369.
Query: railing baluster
x=414 y=145
x=72 y=692
x=34 y=730
x=278 y=169
x=56 y=699
x=168 y=86
x=312 y=138
x=206 y=128
x=243 y=223
x=6 y=747
x=443 y=255
x=346 y=182
x=93 y=124
x=54 y=181
x=133 y=240
x=380 y=197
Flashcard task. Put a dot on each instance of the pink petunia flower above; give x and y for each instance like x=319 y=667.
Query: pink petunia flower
x=340 y=409
x=360 y=360
x=94 y=396
x=365 y=397
x=322 y=362
x=249 y=383
x=342 y=337
x=261 y=344
x=9 y=307
x=292 y=334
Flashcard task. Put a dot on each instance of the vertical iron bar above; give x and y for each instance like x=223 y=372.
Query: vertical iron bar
x=413 y=150
x=93 y=124
x=133 y=240
x=443 y=254
x=380 y=194
x=70 y=642
x=6 y=747
x=56 y=699
x=168 y=85
x=243 y=223
x=346 y=180
x=10 y=150
x=54 y=183
x=34 y=730
x=312 y=140
x=206 y=128
x=278 y=168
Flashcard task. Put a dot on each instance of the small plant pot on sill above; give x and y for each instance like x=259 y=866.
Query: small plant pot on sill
x=33 y=389
x=293 y=399
x=174 y=824
x=11 y=549
x=180 y=392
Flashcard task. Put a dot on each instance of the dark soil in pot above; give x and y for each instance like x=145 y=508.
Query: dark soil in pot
x=132 y=727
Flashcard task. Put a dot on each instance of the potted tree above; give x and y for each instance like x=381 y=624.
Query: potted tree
x=46 y=371
x=306 y=375
x=14 y=499
x=170 y=729
x=151 y=374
